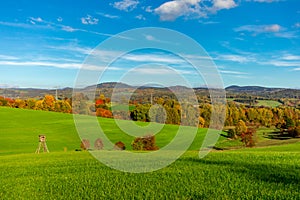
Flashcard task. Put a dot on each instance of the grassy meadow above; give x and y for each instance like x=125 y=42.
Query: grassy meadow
x=271 y=172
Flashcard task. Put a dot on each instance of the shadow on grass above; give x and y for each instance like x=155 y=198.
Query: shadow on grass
x=278 y=135
x=258 y=171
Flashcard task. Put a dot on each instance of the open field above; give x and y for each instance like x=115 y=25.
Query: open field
x=258 y=173
x=268 y=103
x=220 y=175
x=20 y=129
x=265 y=103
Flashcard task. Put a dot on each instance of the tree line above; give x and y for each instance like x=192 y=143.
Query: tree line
x=168 y=111
x=48 y=103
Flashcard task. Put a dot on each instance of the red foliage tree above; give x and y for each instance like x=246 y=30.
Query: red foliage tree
x=85 y=144
x=98 y=145
x=119 y=146
x=248 y=137
x=101 y=112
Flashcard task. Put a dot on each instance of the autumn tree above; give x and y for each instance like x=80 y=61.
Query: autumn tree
x=248 y=137
x=240 y=127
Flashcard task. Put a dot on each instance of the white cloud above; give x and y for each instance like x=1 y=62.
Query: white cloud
x=223 y=4
x=126 y=5
x=26 y=26
x=258 y=29
x=59 y=19
x=38 y=19
x=291 y=57
x=235 y=58
x=140 y=17
x=68 y=28
x=89 y=20
x=56 y=65
x=149 y=9
x=297 y=25
x=274 y=29
x=171 y=10
x=150 y=38
x=108 y=15
x=6 y=57
x=287 y=34
x=159 y=71
x=281 y=63
x=153 y=58
x=232 y=72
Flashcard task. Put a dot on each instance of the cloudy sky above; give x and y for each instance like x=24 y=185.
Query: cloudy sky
x=252 y=42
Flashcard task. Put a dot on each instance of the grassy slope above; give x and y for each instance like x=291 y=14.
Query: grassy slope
x=263 y=173
x=20 y=128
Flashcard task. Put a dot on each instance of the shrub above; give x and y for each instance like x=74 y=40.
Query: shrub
x=231 y=134
x=294 y=132
x=119 y=146
x=144 y=143
x=248 y=137
x=98 y=144
x=85 y=144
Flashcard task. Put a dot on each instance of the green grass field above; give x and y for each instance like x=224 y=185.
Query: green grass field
x=258 y=173
x=268 y=103
x=265 y=103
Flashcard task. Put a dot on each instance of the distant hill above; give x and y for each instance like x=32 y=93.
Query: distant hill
x=107 y=88
x=236 y=88
x=262 y=91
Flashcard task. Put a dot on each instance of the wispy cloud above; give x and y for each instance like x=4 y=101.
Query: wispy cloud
x=235 y=58
x=232 y=72
x=7 y=57
x=125 y=5
x=81 y=50
x=59 y=19
x=54 y=26
x=274 y=29
x=140 y=17
x=159 y=58
x=258 y=29
x=68 y=65
x=89 y=20
x=159 y=71
x=26 y=26
x=108 y=15
x=285 y=60
x=34 y=20
x=291 y=57
x=281 y=63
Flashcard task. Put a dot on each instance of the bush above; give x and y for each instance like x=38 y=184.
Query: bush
x=294 y=132
x=119 y=146
x=248 y=137
x=85 y=144
x=98 y=144
x=231 y=134
x=144 y=143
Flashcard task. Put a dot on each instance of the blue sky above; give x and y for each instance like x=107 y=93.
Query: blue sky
x=252 y=42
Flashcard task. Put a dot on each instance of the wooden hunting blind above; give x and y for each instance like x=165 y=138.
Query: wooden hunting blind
x=42 y=144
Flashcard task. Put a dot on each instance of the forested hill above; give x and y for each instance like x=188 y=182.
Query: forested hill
x=266 y=92
x=107 y=88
